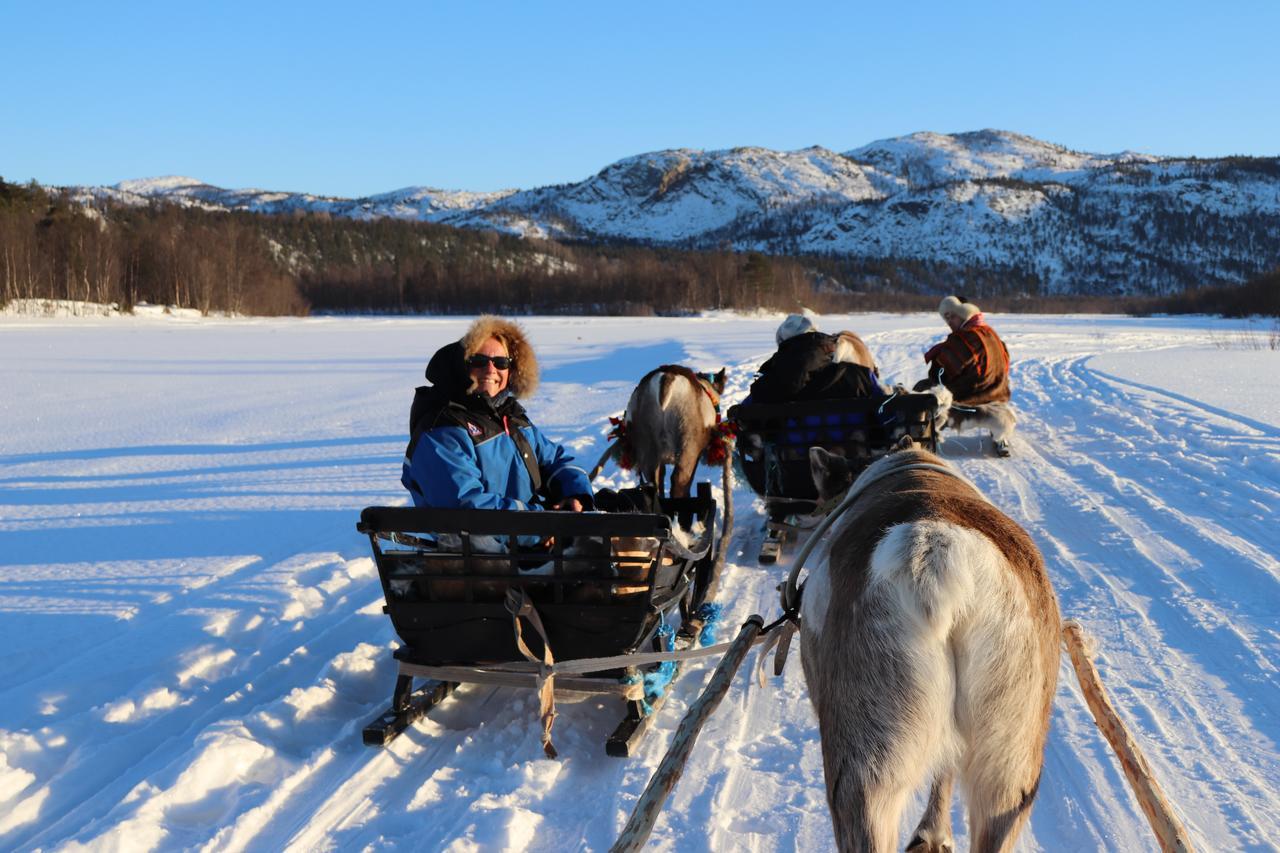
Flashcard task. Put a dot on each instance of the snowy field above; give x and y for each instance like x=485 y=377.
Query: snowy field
x=192 y=638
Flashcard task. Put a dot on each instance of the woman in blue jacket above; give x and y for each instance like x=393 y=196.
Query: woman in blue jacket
x=471 y=443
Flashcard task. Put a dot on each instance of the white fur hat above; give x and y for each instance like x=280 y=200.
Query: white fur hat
x=952 y=305
x=795 y=324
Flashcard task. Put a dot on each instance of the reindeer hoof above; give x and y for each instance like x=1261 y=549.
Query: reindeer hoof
x=920 y=844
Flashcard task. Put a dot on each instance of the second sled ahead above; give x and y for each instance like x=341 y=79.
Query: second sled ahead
x=773 y=449
x=600 y=585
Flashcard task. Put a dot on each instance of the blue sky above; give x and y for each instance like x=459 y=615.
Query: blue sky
x=346 y=100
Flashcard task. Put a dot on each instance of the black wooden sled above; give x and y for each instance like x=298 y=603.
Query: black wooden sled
x=605 y=587
x=772 y=449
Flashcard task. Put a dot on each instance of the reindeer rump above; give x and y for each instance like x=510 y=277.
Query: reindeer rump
x=670 y=420
x=930 y=647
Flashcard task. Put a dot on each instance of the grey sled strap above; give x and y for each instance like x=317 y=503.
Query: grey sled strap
x=526 y=453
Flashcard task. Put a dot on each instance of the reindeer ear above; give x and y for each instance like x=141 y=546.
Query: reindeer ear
x=905 y=443
x=831 y=473
x=718 y=381
x=821 y=464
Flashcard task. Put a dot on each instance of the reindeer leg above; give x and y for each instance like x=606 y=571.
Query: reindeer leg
x=682 y=478
x=1001 y=774
x=933 y=835
x=1003 y=422
x=995 y=829
x=660 y=477
x=864 y=815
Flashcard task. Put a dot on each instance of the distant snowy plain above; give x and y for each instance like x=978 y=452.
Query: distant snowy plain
x=192 y=638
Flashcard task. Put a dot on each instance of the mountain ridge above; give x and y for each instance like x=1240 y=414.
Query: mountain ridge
x=1076 y=222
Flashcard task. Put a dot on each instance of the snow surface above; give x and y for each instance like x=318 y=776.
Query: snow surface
x=193 y=638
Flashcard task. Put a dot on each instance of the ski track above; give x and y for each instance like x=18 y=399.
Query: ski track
x=1156 y=515
x=1155 y=580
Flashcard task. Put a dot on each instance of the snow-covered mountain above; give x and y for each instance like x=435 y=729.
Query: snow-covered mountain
x=923 y=159
x=409 y=203
x=1071 y=221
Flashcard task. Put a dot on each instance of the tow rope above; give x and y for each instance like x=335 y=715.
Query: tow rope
x=519 y=605
x=547 y=668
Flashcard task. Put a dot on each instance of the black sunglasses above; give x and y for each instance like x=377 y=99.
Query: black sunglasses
x=479 y=360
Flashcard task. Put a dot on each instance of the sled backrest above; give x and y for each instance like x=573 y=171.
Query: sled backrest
x=600 y=587
x=774 y=439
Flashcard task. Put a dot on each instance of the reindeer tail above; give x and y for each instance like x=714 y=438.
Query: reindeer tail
x=666 y=381
x=933 y=567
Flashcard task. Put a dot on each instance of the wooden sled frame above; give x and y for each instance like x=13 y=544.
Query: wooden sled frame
x=604 y=588
x=772 y=448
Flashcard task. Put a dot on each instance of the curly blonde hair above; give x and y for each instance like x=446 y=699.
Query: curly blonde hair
x=523 y=379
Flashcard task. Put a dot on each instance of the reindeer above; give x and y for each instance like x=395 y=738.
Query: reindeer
x=997 y=417
x=930 y=646
x=851 y=349
x=670 y=420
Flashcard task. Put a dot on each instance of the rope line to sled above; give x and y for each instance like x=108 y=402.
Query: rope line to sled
x=577 y=666
x=776 y=634
x=518 y=605
x=769 y=634
x=790 y=590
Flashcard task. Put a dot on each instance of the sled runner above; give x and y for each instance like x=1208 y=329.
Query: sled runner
x=774 y=440
x=472 y=605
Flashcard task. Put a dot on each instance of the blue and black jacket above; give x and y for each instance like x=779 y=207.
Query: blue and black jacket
x=473 y=451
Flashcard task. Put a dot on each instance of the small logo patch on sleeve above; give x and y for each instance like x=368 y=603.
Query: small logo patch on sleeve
x=474 y=430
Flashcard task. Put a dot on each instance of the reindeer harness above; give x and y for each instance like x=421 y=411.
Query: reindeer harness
x=791 y=591
x=717 y=449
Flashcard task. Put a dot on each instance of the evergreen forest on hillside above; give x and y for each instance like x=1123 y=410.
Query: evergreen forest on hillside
x=52 y=247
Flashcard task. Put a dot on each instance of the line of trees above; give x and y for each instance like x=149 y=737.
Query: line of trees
x=55 y=247
x=1258 y=296
x=395 y=265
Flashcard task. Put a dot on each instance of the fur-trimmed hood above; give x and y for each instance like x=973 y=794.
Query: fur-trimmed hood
x=448 y=367
x=524 y=369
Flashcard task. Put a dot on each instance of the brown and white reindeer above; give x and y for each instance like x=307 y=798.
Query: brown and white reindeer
x=930 y=647
x=670 y=420
x=853 y=350
x=997 y=417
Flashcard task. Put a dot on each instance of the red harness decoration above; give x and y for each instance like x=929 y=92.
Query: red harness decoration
x=721 y=434
x=622 y=446
x=718 y=448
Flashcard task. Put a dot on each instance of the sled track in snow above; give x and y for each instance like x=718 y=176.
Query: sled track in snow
x=1156 y=514
x=249 y=667
x=1157 y=557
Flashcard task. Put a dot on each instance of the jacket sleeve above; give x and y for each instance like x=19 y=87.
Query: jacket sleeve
x=949 y=361
x=785 y=375
x=561 y=476
x=445 y=472
x=777 y=387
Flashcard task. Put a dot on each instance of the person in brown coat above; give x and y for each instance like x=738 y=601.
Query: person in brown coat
x=973 y=363
x=972 y=368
